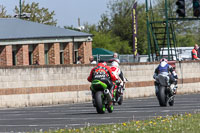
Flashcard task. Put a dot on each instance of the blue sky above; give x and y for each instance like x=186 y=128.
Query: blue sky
x=68 y=11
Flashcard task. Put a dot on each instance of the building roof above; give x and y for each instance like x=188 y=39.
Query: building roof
x=13 y=28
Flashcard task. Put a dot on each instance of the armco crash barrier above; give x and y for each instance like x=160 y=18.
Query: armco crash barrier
x=47 y=85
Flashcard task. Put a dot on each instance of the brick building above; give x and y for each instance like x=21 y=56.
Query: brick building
x=27 y=43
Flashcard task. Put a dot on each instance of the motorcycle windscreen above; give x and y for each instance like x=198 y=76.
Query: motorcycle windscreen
x=98 y=85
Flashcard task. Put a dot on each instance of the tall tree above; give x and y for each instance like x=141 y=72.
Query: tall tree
x=3 y=13
x=110 y=42
x=37 y=14
x=119 y=21
x=142 y=30
x=104 y=24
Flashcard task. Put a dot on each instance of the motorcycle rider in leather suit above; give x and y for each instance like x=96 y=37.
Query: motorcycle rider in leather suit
x=117 y=72
x=166 y=69
x=103 y=73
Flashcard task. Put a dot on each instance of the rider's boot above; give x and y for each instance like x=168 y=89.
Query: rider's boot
x=93 y=100
x=119 y=89
x=112 y=91
x=175 y=87
x=156 y=88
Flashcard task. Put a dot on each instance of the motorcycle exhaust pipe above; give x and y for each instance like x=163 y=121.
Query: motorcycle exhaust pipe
x=108 y=95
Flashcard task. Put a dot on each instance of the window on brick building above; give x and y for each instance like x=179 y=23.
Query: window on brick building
x=76 y=47
x=1 y=57
x=14 y=55
x=30 y=48
x=46 y=56
x=62 y=45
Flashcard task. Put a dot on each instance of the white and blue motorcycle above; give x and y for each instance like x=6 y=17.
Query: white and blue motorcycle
x=165 y=91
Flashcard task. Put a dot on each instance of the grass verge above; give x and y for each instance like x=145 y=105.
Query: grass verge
x=184 y=123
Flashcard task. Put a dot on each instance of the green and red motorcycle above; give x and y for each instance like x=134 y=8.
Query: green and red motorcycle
x=102 y=97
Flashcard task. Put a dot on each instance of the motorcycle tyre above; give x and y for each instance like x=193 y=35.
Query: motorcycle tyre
x=162 y=96
x=121 y=100
x=99 y=102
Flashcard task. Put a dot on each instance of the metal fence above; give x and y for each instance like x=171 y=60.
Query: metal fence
x=123 y=58
x=184 y=55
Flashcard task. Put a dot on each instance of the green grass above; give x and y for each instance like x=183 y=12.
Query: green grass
x=184 y=123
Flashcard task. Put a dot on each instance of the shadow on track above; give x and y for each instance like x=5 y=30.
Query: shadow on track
x=82 y=113
x=146 y=107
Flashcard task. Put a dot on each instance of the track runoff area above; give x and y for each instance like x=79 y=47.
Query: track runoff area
x=46 y=118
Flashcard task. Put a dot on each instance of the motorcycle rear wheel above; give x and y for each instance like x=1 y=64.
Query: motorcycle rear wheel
x=162 y=97
x=100 y=107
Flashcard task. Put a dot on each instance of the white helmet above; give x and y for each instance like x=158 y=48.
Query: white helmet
x=115 y=63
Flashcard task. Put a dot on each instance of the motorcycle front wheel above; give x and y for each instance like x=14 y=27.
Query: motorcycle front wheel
x=100 y=106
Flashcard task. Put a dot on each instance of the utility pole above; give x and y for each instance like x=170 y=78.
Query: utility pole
x=20 y=9
x=148 y=32
x=79 y=22
x=167 y=29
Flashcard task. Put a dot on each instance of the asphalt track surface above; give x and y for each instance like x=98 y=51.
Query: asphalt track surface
x=80 y=115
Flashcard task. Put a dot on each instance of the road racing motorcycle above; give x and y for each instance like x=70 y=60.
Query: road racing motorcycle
x=165 y=92
x=118 y=93
x=102 y=97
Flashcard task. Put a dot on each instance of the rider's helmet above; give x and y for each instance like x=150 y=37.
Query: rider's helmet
x=163 y=59
x=115 y=64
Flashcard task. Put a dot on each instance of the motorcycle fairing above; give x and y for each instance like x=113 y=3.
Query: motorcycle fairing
x=98 y=85
x=163 y=79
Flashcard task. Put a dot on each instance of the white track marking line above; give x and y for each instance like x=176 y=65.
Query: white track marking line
x=92 y=118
